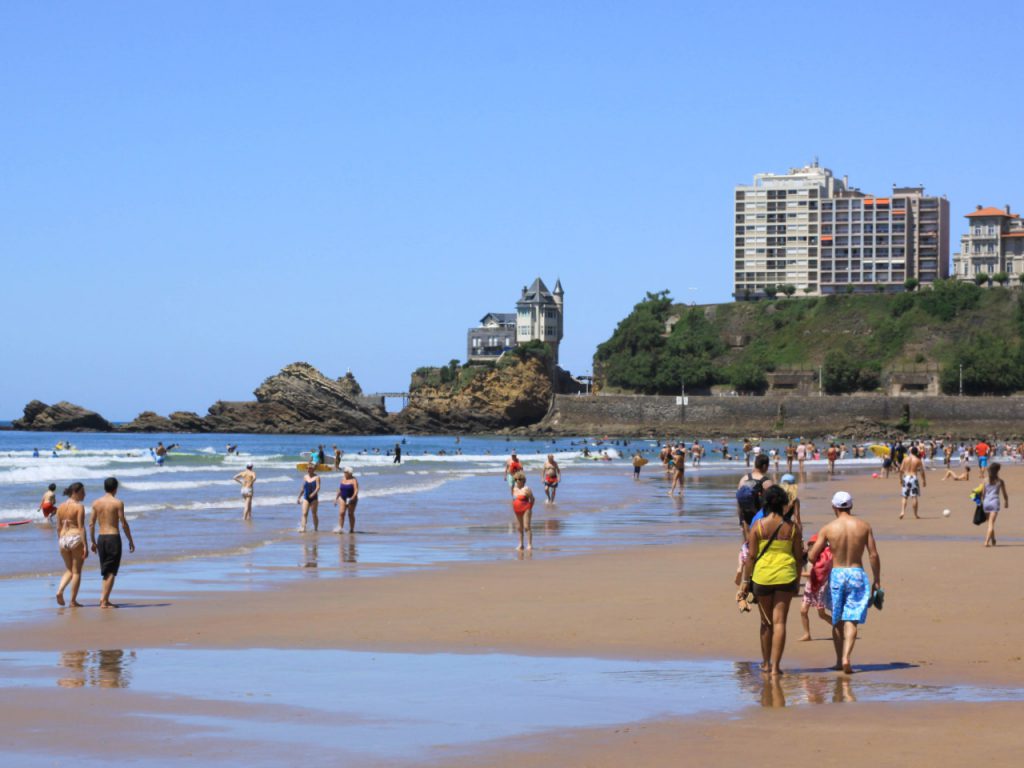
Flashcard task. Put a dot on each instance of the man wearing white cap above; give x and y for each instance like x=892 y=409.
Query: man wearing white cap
x=247 y=479
x=848 y=537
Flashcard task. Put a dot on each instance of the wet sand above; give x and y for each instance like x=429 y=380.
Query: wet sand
x=953 y=616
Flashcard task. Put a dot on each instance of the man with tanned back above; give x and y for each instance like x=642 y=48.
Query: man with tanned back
x=109 y=511
x=913 y=479
x=848 y=537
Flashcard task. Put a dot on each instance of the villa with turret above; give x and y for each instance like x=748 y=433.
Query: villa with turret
x=538 y=317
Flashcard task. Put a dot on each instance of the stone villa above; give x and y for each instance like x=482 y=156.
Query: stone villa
x=538 y=317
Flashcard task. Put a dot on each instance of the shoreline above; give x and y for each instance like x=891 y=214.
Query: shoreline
x=665 y=601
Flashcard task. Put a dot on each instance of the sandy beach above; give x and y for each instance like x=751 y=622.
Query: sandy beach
x=952 y=618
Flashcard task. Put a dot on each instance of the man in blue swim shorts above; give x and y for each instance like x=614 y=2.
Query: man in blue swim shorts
x=848 y=537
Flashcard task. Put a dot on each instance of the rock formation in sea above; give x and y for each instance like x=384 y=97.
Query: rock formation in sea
x=299 y=400
x=179 y=421
x=506 y=397
x=61 y=417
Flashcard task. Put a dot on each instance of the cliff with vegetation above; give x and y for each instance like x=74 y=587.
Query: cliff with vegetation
x=513 y=392
x=857 y=342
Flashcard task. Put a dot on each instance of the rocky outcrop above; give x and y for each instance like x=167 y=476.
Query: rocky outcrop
x=148 y=421
x=299 y=400
x=179 y=421
x=61 y=417
x=349 y=385
x=507 y=397
x=187 y=421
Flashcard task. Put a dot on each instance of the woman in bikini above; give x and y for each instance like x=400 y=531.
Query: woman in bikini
x=309 y=497
x=71 y=541
x=773 y=574
x=346 y=499
x=552 y=477
x=522 y=506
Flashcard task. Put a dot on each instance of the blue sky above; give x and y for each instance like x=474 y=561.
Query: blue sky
x=196 y=194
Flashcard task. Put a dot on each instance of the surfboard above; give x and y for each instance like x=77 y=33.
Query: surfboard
x=12 y=523
x=319 y=467
x=881 y=451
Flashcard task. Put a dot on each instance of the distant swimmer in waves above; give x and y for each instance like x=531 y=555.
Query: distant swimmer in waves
x=552 y=477
x=49 y=503
x=309 y=497
x=337 y=457
x=71 y=541
x=522 y=507
x=247 y=479
x=108 y=511
x=347 y=498
x=512 y=466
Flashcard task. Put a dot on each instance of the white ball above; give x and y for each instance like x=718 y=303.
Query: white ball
x=946 y=513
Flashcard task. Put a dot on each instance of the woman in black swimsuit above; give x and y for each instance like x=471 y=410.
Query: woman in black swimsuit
x=346 y=499
x=309 y=497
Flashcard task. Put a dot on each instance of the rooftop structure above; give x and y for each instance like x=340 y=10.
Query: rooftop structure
x=993 y=244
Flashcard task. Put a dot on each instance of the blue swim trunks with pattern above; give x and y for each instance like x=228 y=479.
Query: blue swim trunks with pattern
x=851 y=595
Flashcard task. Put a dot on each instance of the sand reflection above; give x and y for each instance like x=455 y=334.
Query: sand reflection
x=101 y=669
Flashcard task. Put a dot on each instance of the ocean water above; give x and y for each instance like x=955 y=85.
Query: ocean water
x=429 y=509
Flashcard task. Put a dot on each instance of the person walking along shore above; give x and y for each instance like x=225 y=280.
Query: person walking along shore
x=309 y=498
x=71 y=541
x=109 y=512
x=772 y=572
x=994 y=488
x=347 y=498
x=848 y=537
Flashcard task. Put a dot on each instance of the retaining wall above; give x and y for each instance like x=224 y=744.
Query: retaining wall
x=783 y=415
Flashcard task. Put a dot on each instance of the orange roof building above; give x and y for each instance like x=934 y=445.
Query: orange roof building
x=992 y=245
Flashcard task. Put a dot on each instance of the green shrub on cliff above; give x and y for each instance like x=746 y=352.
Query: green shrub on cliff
x=991 y=366
x=631 y=357
x=844 y=371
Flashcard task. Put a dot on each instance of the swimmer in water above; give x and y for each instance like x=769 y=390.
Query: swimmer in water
x=247 y=479
x=347 y=499
x=49 y=503
x=71 y=541
x=309 y=497
x=522 y=506
x=552 y=477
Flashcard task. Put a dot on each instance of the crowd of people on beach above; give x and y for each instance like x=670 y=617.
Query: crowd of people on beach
x=773 y=563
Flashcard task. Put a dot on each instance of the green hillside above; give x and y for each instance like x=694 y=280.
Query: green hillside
x=857 y=340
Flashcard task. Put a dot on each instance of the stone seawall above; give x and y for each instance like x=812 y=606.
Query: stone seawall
x=783 y=415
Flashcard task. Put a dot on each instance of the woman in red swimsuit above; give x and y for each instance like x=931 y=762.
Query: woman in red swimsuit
x=522 y=506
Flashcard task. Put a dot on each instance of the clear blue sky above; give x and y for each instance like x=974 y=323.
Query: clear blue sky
x=195 y=194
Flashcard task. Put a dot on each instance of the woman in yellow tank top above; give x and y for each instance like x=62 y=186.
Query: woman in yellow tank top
x=774 y=574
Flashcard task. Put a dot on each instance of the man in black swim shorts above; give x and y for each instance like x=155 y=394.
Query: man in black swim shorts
x=109 y=511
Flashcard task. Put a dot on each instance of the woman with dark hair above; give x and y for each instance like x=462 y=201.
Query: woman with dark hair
x=772 y=573
x=994 y=488
x=71 y=541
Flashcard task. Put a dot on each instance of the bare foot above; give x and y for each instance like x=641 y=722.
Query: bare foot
x=529 y=546
x=848 y=668
x=805 y=638
x=765 y=666
x=519 y=548
x=60 y=599
x=75 y=604
x=901 y=516
x=837 y=666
